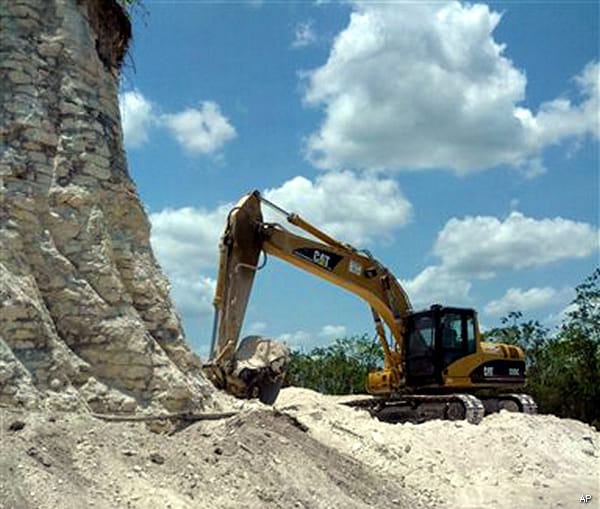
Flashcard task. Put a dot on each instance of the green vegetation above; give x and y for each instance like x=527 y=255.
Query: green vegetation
x=337 y=369
x=563 y=367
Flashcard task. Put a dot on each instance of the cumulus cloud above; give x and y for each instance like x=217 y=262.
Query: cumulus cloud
x=193 y=296
x=304 y=35
x=558 y=318
x=482 y=245
x=138 y=117
x=186 y=240
x=255 y=329
x=354 y=208
x=418 y=85
x=518 y=299
x=298 y=339
x=201 y=131
x=331 y=332
x=437 y=285
x=306 y=341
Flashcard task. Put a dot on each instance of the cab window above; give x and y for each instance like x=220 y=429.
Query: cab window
x=422 y=336
x=452 y=331
x=451 y=328
x=471 y=344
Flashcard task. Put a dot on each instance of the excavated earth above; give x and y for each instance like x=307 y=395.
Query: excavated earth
x=259 y=458
x=308 y=452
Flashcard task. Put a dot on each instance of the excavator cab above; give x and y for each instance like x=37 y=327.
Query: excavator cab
x=437 y=337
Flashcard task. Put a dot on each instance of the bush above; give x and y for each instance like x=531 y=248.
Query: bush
x=337 y=369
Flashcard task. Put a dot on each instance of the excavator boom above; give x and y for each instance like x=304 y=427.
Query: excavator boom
x=246 y=235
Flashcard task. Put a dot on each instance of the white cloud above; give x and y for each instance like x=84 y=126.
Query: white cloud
x=306 y=341
x=304 y=35
x=517 y=299
x=255 y=329
x=137 y=116
x=417 y=85
x=193 y=295
x=482 y=245
x=299 y=339
x=437 y=285
x=186 y=240
x=200 y=131
x=557 y=319
x=560 y=118
x=331 y=332
x=354 y=208
x=255 y=4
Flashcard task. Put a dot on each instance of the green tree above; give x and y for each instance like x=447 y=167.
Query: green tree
x=563 y=369
x=340 y=368
x=580 y=335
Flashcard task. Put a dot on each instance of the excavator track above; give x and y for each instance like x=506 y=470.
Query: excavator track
x=418 y=408
x=522 y=403
x=528 y=405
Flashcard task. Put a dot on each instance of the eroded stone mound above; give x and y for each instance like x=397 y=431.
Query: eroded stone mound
x=85 y=314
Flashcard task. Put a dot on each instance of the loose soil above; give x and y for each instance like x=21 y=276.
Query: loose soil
x=307 y=452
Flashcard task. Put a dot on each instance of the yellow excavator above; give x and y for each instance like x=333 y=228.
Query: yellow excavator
x=435 y=365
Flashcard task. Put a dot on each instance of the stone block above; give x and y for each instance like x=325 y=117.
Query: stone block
x=20 y=77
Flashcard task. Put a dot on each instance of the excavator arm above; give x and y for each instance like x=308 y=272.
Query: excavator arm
x=246 y=236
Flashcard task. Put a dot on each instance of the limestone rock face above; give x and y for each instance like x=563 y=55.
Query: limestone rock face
x=85 y=312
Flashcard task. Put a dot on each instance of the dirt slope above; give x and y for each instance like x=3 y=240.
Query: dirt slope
x=311 y=453
x=258 y=459
x=509 y=460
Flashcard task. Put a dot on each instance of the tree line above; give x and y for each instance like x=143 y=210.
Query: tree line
x=563 y=365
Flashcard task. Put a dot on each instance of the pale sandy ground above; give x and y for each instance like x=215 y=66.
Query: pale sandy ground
x=312 y=454
x=507 y=461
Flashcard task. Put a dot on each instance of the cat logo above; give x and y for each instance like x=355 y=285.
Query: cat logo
x=324 y=259
x=321 y=259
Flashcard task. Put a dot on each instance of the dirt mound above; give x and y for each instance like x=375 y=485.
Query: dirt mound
x=257 y=459
x=508 y=460
x=309 y=453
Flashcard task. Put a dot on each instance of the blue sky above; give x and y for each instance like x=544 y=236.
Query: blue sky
x=457 y=142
